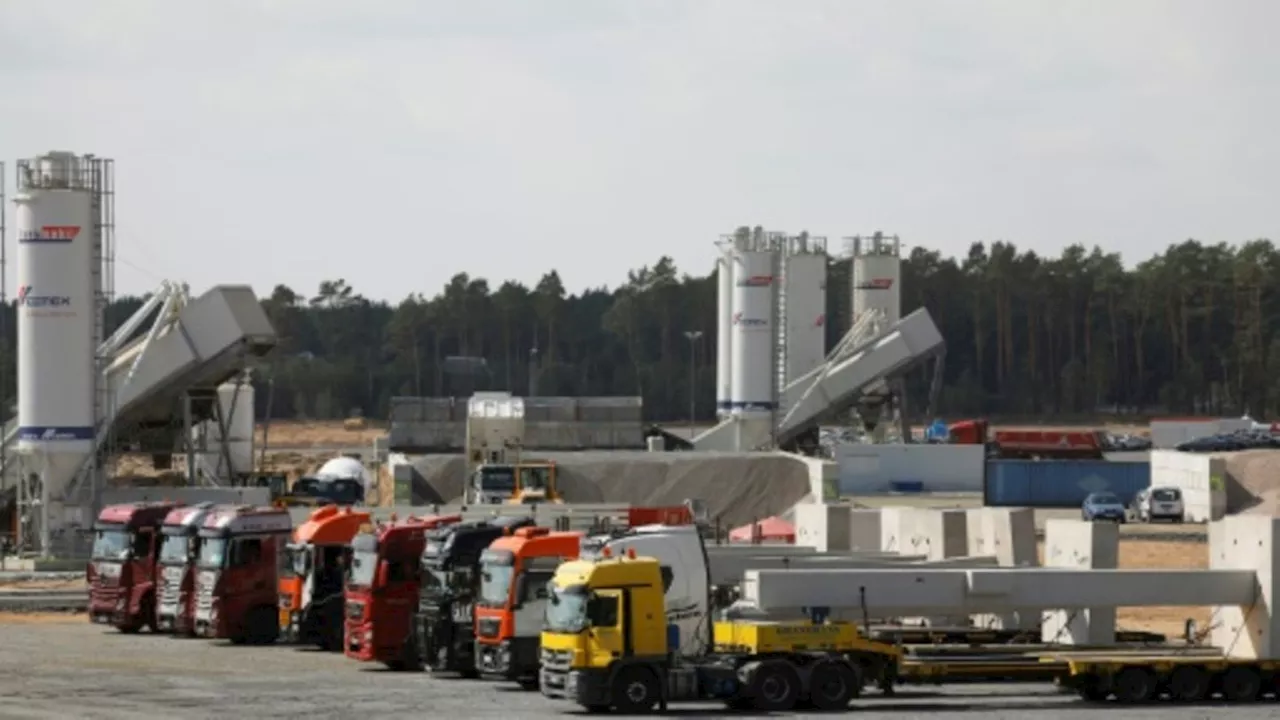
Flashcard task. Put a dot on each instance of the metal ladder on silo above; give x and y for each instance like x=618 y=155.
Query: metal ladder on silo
x=780 y=332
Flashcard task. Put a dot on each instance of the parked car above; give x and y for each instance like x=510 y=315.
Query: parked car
x=1103 y=506
x=1158 y=503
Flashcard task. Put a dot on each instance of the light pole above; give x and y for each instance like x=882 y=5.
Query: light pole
x=693 y=336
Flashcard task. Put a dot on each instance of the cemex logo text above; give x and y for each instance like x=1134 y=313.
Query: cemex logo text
x=26 y=298
x=748 y=322
x=50 y=234
x=756 y=281
x=877 y=284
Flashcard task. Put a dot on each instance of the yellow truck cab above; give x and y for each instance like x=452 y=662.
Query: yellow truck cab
x=607 y=644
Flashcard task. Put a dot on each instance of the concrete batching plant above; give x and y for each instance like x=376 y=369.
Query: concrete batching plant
x=775 y=382
x=83 y=396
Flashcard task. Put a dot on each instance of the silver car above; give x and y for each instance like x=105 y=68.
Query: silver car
x=1159 y=503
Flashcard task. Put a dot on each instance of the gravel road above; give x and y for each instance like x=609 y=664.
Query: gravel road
x=75 y=670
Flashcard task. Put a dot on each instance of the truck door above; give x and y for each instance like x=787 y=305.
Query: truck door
x=605 y=610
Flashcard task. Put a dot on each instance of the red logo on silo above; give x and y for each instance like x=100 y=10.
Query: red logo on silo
x=822 y=320
x=50 y=234
x=876 y=284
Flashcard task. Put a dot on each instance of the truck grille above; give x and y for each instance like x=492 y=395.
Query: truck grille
x=204 y=594
x=355 y=610
x=556 y=659
x=488 y=627
x=170 y=585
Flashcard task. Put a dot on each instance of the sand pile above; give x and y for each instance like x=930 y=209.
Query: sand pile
x=736 y=488
x=1253 y=481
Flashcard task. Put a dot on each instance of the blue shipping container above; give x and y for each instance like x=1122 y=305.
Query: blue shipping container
x=1060 y=483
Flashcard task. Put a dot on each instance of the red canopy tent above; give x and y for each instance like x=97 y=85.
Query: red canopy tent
x=771 y=529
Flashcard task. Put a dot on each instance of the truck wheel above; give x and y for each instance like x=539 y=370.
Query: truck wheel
x=263 y=626
x=1241 y=684
x=635 y=690
x=832 y=686
x=1134 y=685
x=1189 y=684
x=775 y=687
x=149 y=612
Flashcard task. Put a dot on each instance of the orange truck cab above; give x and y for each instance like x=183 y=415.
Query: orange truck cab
x=122 y=568
x=176 y=577
x=312 y=573
x=382 y=590
x=514 y=572
x=236 y=573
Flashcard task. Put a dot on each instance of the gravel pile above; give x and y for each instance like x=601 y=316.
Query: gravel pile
x=1253 y=482
x=736 y=488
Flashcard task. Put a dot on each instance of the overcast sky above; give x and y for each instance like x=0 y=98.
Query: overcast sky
x=395 y=143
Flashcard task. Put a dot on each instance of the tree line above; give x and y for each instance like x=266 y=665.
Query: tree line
x=1193 y=330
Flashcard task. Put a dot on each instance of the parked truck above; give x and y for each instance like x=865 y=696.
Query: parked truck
x=121 y=573
x=445 y=620
x=312 y=572
x=237 y=573
x=612 y=642
x=179 y=549
x=1030 y=443
x=514 y=572
x=382 y=591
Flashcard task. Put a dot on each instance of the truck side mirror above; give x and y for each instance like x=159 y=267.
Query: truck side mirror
x=522 y=582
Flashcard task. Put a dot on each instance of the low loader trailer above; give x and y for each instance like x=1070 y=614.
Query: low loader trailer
x=1135 y=679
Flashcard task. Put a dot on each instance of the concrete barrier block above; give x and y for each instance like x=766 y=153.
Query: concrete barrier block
x=1080 y=545
x=935 y=534
x=865 y=529
x=822 y=526
x=1247 y=542
x=1008 y=535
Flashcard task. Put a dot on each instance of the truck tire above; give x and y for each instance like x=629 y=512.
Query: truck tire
x=262 y=627
x=775 y=686
x=832 y=686
x=1241 y=684
x=635 y=690
x=1134 y=685
x=1189 y=684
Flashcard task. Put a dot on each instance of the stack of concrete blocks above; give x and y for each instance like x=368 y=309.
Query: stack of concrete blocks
x=932 y=533
x=821 y=526
x=1080 y=546
x=1008 y=535
x=1248 y=542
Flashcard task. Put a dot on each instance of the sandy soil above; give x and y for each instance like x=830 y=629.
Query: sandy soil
x=69 y=584
x=320 y=433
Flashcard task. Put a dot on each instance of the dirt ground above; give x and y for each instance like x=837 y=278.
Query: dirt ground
x=320 y=433
x=42 y=618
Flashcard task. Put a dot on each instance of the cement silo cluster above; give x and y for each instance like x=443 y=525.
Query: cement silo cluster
x=776 y=383
x=771 y=318
x=150 y=386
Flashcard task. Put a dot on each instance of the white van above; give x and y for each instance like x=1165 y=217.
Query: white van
x=1159 y=503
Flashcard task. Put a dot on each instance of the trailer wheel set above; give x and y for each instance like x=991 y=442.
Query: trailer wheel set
x=1187 y=680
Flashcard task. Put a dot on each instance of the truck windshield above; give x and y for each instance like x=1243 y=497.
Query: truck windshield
x=567 y=610
x=434 y=583
x=364 y=563
x=111 y=543
x=495 y=584
x=534 y=479
x=497 y=478
x=174 y=548
x=213 y=552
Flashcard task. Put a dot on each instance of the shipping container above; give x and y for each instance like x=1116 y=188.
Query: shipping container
x=1060 y=483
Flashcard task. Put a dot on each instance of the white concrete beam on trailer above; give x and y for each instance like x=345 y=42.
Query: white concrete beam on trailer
x=729 y=570
x=913 y=591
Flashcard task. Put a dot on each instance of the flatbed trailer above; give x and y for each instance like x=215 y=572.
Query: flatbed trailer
x=906 y=635
x=1188 y=678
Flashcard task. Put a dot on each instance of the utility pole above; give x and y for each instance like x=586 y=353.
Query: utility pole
x=693 y=336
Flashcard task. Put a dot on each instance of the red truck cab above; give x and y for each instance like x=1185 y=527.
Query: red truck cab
x=382 y=591
x=122 y=568
x=514 y=572
x=237 y=571
x=175 y=583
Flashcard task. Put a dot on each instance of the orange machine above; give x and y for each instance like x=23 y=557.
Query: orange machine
x=312 y=573
x=514 y=572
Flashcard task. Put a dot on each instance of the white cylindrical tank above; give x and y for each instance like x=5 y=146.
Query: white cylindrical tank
x=877 y=271
x=724 y=334
x=753 y=333
x=806 y=337
x=236 y=401
x=56 y=303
